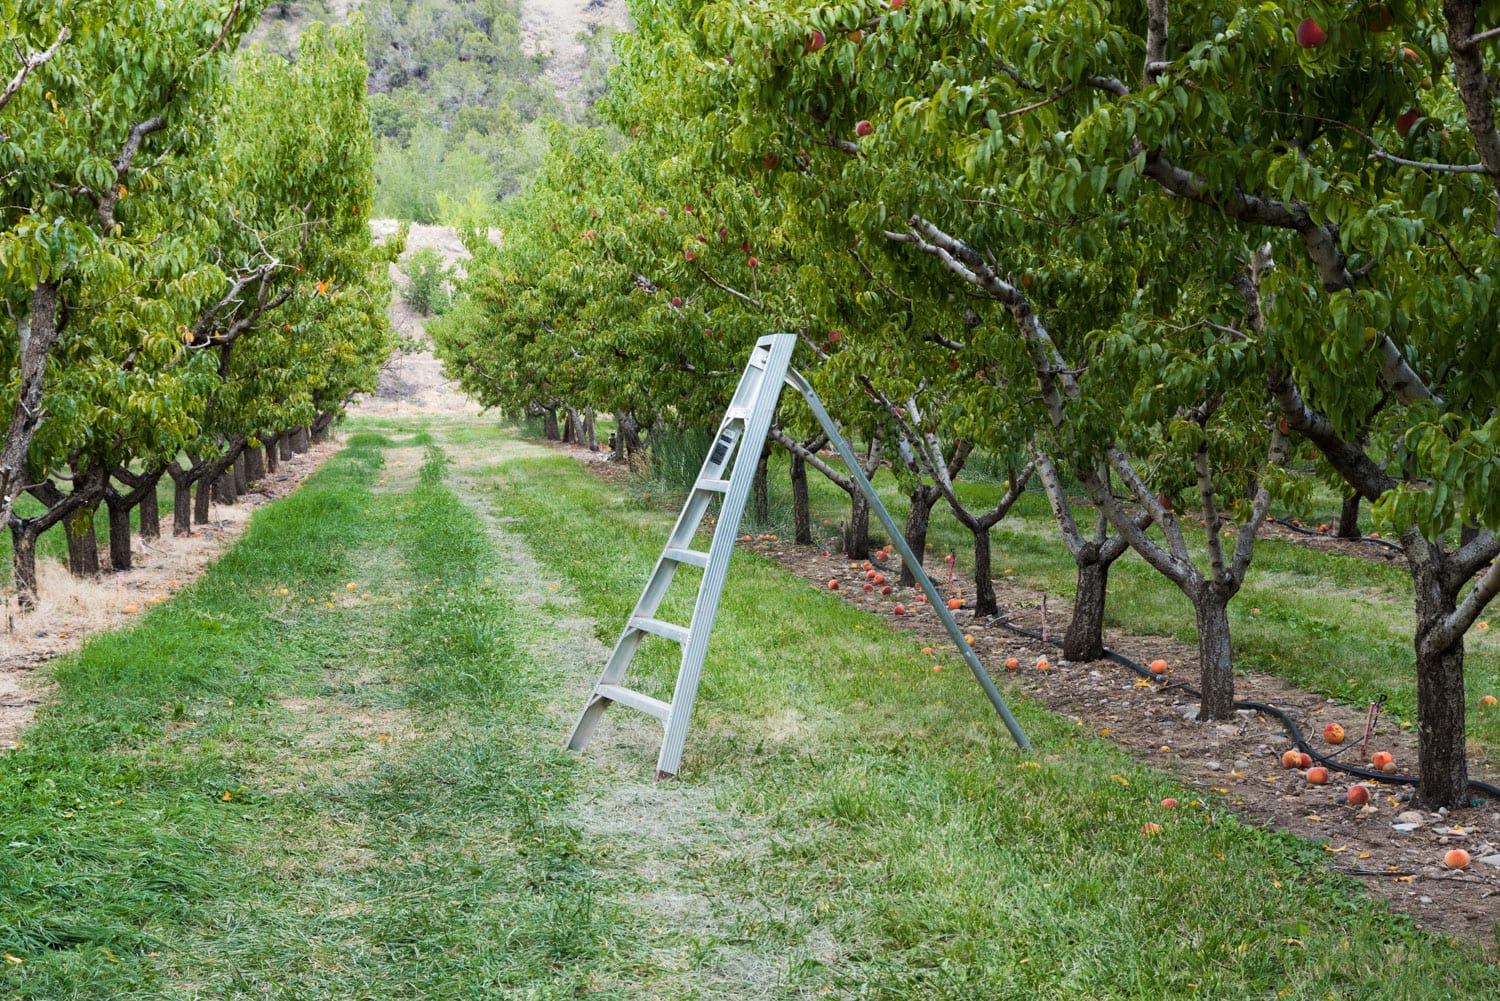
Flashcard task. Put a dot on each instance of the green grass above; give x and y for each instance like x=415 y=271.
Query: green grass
x=929 y=856
x=359 y=794
x=390 y=827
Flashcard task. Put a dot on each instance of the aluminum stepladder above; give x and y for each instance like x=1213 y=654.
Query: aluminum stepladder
x=743 y=432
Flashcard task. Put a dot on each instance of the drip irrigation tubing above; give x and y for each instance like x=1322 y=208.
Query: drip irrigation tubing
x=1493 y=792
x=1292 y=526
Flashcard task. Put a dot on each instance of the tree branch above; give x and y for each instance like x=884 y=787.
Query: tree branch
x=30 y=63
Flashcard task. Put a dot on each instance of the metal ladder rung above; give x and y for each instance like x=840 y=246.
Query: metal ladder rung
x=691 y=557
x=635 y=700
x=737 y=414
x=657 y=627
x=717 y=486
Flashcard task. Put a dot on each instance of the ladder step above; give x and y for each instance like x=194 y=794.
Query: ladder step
x=718 y=486
x=692 y=557
x=657 y=627
x=737 y=413
x=635 y=700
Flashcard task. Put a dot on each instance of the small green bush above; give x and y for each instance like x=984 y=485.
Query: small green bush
x=429 y=287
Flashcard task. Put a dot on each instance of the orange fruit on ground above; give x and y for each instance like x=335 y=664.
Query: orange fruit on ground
x=1389 y=768
x=887 y=589
x=1304 y=760
x=1158 y=666
x=869 y=587
x=1042 y=665
x=1456 y=858
x=968 y=639
x=1333 y=733
x=1150 y=828
x=899 y=610
x=927 y=651
x=833 y=585
x=936 y=668
x=132 y=608
x=1011 y=664
x=1291 y=759
x=1358 y=795
x=1317 y=776
x=955 y=603
x=879 y=578
x=1169 y=803
x=1488 y=700
x=1381 y=758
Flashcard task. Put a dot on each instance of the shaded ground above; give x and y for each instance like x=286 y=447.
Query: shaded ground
x=1396 y=850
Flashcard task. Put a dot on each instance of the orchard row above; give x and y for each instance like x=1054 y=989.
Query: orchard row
x=186 y=263
x=1162 y=251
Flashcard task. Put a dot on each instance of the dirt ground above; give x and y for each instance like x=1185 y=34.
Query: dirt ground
x=1234 y=766
x=556 y=26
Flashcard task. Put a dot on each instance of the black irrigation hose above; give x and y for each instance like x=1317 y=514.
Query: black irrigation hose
x=1324 y=535
x=1286 y=721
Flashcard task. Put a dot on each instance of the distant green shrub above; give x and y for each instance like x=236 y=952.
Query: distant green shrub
x=429 y=287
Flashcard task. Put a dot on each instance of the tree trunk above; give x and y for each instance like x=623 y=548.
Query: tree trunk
x=630 y=433
x=255 y=465
x=83 y=546
x=760 y=488
x=303 y=443
x=151 y=512
x=984 y=587
x=202 y=497
x=918 y=518
x=323 y=424
x=1084 y=639
x=1442 y=767
x=857 y=534
x=1214 y=654
x=119 y=535
x=37 y=334
x=1349 y=517
x=273 y=454
x=241 y=475
x=801 y=512
x=549 y=424
x=224 y=486
x=23 y=562
x=284 y=445
x=590 y=436
x=182 y=505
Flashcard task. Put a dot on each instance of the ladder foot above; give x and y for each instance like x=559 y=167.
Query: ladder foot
x=663 y=777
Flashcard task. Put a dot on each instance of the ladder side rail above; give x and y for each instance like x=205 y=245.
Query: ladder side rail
x=801 y=385
x=721 y=550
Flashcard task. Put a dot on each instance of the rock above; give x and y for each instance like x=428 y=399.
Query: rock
x=1424 y=900
x=1061 y=663
x=1244 y=713
x=1240 y=764
x=1191 y=714
x=1227 y=729
x=1213 y=766
x=1404 y=828
x=1411 y=817
x=1493 y=860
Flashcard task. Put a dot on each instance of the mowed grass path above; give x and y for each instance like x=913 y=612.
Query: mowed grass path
x=354 y=793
